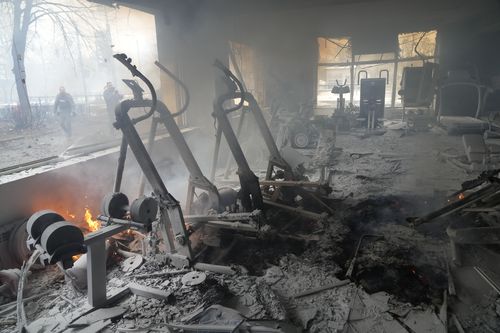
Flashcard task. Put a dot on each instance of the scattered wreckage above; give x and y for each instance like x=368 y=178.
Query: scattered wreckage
x=152 y=268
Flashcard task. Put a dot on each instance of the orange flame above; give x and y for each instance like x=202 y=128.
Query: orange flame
x=461 y=196
x=92 y=224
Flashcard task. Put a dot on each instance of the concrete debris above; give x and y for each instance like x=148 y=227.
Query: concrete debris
x=149 y=292
x=160 y=274
x=475 y=148
x=290 y=280
x=319 y=289
x=9 y=279
x=270 y=301
x=96 y=327
x=424 y=321
x=98 y=315
x=46 y=324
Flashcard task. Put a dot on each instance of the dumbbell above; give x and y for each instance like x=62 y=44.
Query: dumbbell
x=58 y=239
x=142 y=210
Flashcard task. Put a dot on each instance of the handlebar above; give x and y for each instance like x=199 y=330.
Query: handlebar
x=181 y=84
x=341 y=85
x=127 y=62
x=232 y=83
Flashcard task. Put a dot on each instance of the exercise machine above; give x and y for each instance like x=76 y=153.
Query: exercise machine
x=278 y=174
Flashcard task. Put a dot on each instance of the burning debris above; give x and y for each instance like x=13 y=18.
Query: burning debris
x=92 y=224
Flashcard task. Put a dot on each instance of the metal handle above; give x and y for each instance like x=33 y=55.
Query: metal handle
x=180 y=83
x=234 y=80
x=386 y=71
x=127 y=62
x=359 y=74
x=341 y=85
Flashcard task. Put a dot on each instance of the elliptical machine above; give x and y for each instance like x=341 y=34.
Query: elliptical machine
x=340 y=115
x=340 y=89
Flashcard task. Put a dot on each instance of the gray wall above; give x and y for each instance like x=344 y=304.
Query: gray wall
x=283 y=33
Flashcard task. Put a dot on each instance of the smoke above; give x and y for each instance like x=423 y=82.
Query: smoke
x=81 y=59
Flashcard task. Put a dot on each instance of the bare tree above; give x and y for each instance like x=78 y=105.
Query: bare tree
x=24 y=17
x=21 y=21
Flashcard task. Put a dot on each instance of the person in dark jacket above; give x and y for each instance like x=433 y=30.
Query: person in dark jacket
x=112 y=97
x=64 y=107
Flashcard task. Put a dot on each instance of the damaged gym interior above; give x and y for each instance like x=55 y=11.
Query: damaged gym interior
x=250 y=166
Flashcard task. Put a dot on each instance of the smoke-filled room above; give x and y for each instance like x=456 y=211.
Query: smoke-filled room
x=257 y=166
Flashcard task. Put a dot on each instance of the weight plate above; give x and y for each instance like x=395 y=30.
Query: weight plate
x=193 y=278
x=227 y=197
x=39 y=221
x=59 y=234
x=144 y=210
x=132 y=263
x=301 y=140
x=17 y=243
x=115 y=205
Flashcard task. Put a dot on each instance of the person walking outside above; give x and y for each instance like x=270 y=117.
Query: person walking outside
x=112 y=97
x=63 y=107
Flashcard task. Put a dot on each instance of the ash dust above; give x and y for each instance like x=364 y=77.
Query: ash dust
x=406 y=264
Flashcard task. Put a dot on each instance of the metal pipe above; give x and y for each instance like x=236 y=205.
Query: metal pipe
x=215 y=159
x=297 y=210
x=121 y=164
x=112 y=220
x=394 y=84
x=223 y=217
x=238 y=133
x=151 y=140
x=487 y=279
x=214 y=268
x=228 y=225
x=181 y=84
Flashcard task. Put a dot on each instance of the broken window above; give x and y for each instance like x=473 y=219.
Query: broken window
x=334 y=50
x=374 y=57
x=334 y=56
x=243 y=60
x=413 y=49
x=417 y=44
x=336 y=63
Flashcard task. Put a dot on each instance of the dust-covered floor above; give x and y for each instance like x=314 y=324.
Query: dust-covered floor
x=396 y=283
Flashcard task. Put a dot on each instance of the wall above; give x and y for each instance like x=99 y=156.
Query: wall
x=283 y=33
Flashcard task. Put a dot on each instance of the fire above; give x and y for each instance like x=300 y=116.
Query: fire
x=92 y=224
x=461 y=196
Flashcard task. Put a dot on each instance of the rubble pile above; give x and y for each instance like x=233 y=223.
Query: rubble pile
x=396 y=283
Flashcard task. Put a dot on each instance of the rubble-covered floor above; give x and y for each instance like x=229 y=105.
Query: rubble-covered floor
x=397 y=283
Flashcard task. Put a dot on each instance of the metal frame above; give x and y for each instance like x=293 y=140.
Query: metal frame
x=470 y=236
x=275 y=158
x=196 y=177
x=172 y=224
x=251 y=195
x=96 y=263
